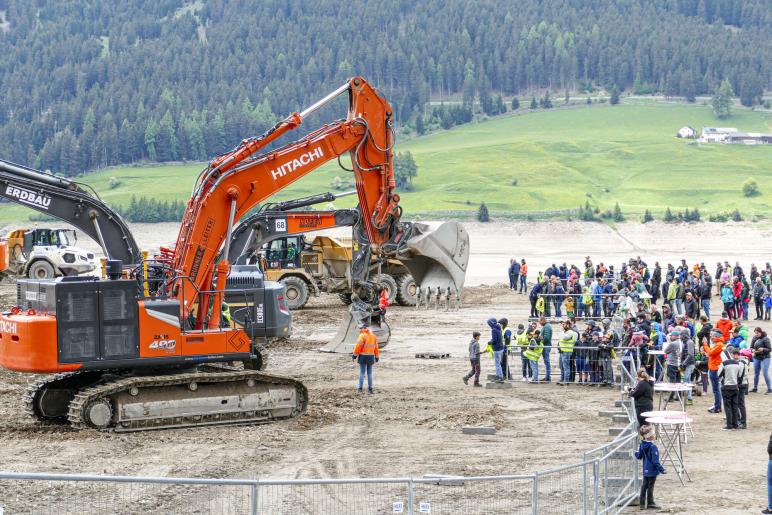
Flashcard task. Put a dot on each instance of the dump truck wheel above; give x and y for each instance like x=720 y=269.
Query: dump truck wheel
x=296 y=292
x=407 y=290
x=389 y=283
x=345 y=298
x=41 y=270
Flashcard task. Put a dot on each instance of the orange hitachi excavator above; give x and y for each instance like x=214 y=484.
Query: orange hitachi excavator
x=129 y=362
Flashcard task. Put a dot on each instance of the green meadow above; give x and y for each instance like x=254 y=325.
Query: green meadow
x=536 y=162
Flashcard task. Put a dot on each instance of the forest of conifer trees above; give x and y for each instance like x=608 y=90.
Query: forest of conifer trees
x=91 y=84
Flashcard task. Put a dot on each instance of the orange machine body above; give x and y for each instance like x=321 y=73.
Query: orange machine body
x=28 y=343
x=229 y=188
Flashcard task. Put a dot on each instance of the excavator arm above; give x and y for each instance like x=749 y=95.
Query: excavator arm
x=235 y=183
x=70 y=202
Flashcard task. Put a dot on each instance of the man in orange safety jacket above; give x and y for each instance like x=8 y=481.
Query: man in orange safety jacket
x=366 y=353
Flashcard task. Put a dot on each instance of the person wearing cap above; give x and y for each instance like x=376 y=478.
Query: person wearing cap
x=605 y=348
x=366 y=353
x=730 y=374
x=565 y=350
x=713 y=352
x=533 y=353
x=522 y=339
x=673 y=355
x=474 y=359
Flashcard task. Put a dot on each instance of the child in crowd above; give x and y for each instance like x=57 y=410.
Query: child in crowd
x=649 y=453
x=474 y=359
x=570 y=307
x=767 y=306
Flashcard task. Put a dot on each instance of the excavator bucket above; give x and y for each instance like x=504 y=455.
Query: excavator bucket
x=437 y=255
x=345 y=339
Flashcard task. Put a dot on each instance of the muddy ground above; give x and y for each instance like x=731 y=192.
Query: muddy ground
x=412 y=425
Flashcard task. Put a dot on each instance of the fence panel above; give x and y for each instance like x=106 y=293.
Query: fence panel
x=563 y=490
x=101 y=497
x=333 y=496
x=474 y=496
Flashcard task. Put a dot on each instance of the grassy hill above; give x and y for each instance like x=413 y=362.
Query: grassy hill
x=626 y=154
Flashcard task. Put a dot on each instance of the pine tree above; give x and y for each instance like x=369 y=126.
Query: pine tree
x=668 y=216
x=482 y=213
x=647 y=217
x=515 y=104
x=614 y=95
x=534 y=105
x=618 y=216
x=722 y=100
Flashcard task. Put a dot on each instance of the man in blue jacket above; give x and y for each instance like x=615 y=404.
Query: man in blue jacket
x=497 y=345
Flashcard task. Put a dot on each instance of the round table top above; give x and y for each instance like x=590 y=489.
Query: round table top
x=669 y=420
x=656 y=352
x=663 y=414
x=672 y=387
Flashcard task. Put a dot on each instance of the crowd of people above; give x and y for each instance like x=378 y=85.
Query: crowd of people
x=597 y=290
x=632 y=311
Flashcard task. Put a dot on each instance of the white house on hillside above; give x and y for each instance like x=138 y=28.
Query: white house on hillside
x=687 y=132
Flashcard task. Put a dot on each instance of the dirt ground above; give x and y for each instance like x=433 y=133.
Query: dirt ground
x=412 y=425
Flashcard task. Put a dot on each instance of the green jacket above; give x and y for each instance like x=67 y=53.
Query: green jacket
x=546 y=335
x=534 y=349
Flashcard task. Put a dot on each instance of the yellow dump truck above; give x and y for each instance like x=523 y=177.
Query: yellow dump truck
x=323 y=265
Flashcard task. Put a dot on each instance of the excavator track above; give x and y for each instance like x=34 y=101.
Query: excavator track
x=212 y=395
x=46 y=400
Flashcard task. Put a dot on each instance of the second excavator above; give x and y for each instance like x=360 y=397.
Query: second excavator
x=128 y=361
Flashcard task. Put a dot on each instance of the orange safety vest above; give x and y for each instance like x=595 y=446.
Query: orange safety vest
x=367 y=344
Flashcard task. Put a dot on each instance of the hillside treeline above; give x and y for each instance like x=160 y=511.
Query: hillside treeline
x=85 y=84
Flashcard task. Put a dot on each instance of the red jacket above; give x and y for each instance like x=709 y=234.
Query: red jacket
x=725 y=326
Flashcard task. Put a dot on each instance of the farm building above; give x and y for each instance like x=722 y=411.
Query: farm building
x=748 y=138
x=687 y=132
x=716 y=134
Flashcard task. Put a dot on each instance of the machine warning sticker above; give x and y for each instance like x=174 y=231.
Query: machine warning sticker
x=281 y=225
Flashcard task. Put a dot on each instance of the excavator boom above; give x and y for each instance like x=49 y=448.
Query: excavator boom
x=73 y=203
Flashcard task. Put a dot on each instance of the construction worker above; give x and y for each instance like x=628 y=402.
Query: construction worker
x=522 y=339
x=366 y=353
x=292 y=253
x=533 y=353
x=565 y=350
x=225 y=315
